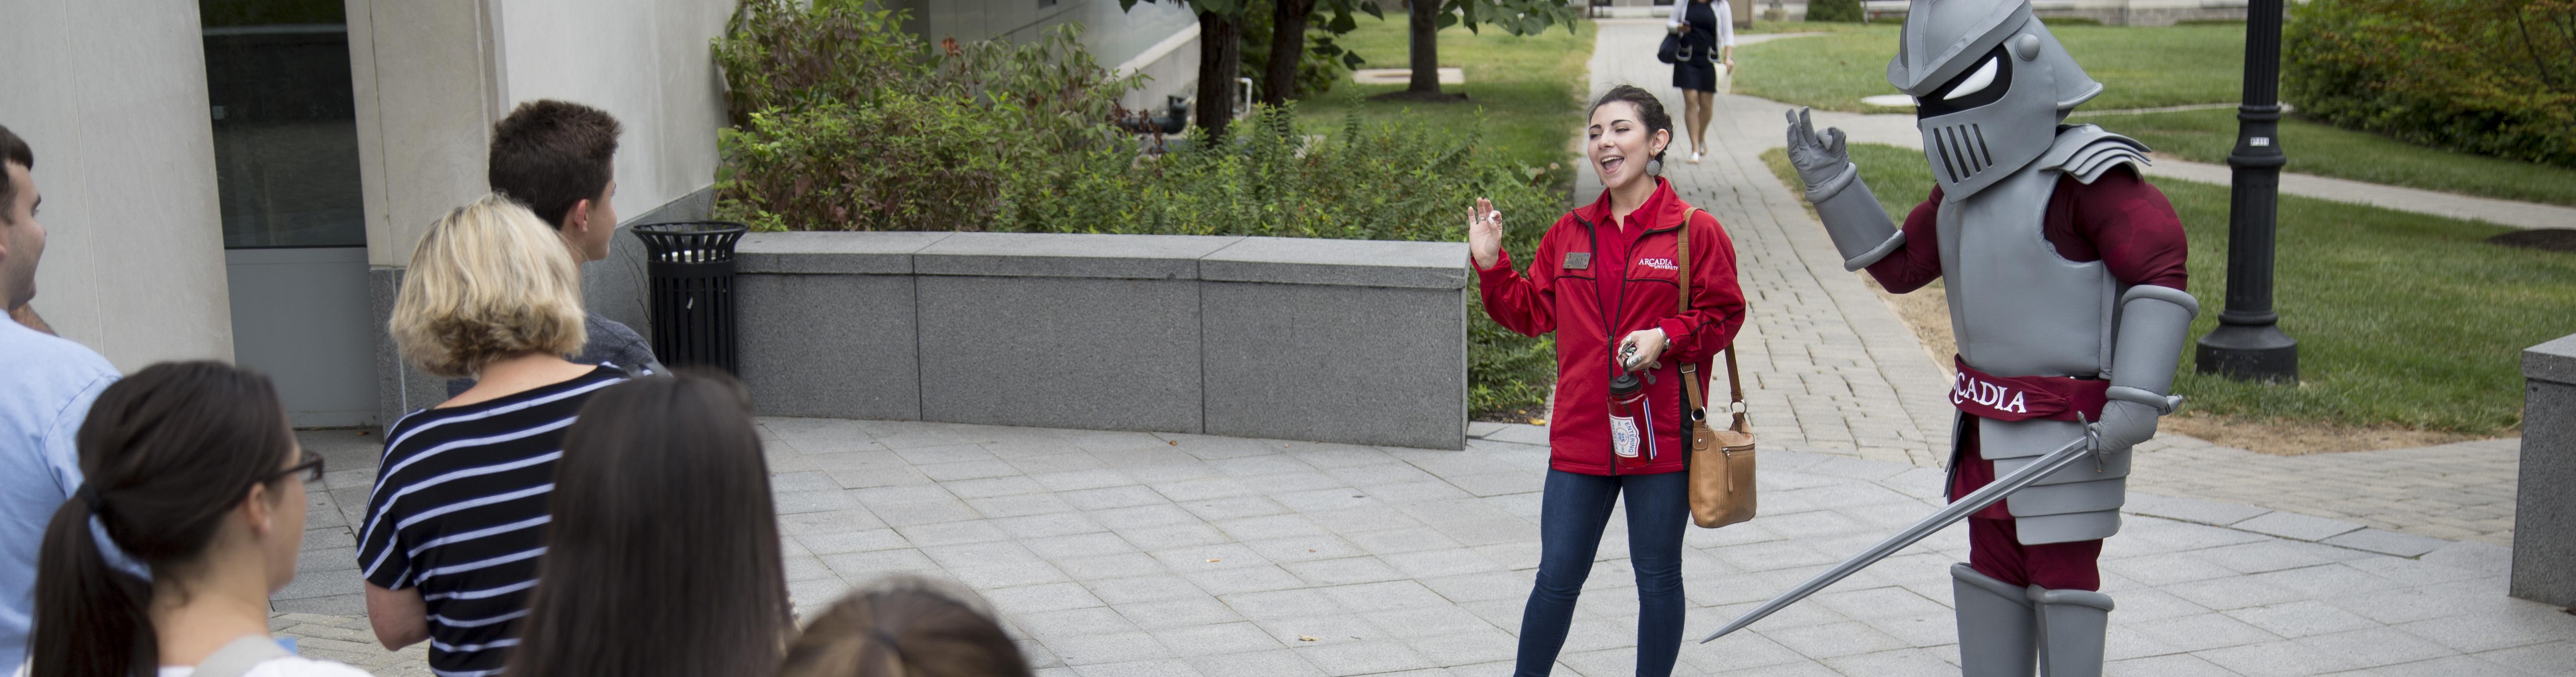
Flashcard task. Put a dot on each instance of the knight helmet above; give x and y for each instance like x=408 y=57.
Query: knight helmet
x=1990 y=85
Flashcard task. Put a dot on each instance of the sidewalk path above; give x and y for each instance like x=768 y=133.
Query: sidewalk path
x=1116 y=553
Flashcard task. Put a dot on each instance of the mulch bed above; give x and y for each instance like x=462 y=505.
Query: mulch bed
x=2546 y=239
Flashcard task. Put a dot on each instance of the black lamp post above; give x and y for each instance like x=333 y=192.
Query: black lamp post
x=2248 y=343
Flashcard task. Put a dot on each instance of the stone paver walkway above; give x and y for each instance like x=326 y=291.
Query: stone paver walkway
x=1140 y=554
x=2462 y=491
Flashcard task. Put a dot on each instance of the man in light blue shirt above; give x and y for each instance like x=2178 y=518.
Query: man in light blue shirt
x=46 y=386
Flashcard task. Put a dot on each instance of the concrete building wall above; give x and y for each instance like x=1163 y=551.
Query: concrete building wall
x=112 y=97
x=434 y=77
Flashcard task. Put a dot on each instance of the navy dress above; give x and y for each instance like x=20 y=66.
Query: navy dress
x=1699 y=37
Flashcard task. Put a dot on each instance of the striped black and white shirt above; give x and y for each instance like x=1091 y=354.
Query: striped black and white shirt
x=459 y=512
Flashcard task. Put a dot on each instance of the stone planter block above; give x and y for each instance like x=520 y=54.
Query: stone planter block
x=874 y=253
x=830 y=346
x=1142 y=257
x=1328 y=363
x=1321 y=340
x=2544 y=511
x=1359 y=263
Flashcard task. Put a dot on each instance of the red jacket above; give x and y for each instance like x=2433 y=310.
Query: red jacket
x=1554 y=297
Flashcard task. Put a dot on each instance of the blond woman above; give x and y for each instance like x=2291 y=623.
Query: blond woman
x=451 y=537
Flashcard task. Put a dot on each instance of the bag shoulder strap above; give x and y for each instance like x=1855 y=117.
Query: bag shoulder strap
x=1690 y=381
x=238 y=657
x=1690 y=372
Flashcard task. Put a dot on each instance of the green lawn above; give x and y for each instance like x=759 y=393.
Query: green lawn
x=1529 y=89
x=2138 y=67
x=2402 y=319
x=2208 y=135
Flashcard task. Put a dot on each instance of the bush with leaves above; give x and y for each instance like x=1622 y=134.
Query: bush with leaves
x=1830 y=10
x=2491 y=77
x=783 y=55
x=1389 y=181
x=845 y=122
x=907 y=163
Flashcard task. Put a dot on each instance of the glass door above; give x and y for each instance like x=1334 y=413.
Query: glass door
x=286 y=168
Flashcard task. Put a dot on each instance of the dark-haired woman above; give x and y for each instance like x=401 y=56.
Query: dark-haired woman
x=663 y=556
x=905 y=627
x=1707 y=30
x=193 y=474
x=1605 y=279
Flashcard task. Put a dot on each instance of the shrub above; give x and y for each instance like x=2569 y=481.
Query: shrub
x=1832 y=10
x=782 y=55
x=1403 y=180
x=2492 y=77
x=847 y=123
x=907 y=163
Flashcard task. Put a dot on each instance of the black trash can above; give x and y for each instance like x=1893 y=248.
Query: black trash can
x=689 y=269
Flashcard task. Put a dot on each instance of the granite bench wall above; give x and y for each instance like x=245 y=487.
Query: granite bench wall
x=1324 y=340
x=2544 y=513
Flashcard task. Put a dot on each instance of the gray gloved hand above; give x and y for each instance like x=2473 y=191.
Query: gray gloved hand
x=2124 y=424
x=1817 y=157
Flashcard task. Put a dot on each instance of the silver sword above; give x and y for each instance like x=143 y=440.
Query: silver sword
x=1951 y=514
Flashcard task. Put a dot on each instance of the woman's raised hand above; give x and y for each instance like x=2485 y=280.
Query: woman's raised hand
x=1485 y=233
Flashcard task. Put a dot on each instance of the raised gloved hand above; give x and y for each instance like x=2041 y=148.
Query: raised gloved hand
x=1817 y=157
x=2124 y=424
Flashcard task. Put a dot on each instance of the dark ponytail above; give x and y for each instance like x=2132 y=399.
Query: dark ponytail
x=168 y=452
x=1650 y=110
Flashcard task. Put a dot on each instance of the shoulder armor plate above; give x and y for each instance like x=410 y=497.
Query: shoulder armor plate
x=2087 y=152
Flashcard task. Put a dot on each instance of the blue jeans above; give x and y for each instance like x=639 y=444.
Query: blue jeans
x=1573 y=511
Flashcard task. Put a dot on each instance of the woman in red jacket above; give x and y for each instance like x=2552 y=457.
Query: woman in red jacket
x=1605 y=280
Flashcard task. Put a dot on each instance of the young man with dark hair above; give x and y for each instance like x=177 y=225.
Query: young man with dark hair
x=46 y=386
x=559 y=160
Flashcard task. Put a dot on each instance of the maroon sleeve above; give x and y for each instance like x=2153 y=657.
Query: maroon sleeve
x=1918 y=261
x=2130 y=226
x=1522 y=303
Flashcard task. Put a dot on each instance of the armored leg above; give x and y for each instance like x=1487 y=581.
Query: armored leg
x=2071 y=625
x=1995 y=625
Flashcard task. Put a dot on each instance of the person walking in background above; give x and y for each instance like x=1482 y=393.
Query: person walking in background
x=1606 y=281
x=663 y=557
x=46 y=386
x=454 y=526
x=1707 y=28
x=193 y=471
x=904 y=627
x=559 y=159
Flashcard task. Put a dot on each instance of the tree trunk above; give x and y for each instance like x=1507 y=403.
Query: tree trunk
x=1220 y=62
x=1426 y=47
x=1287 y=48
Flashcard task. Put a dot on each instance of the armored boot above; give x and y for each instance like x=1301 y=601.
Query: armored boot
x=1995 y=625
x=2071 y=625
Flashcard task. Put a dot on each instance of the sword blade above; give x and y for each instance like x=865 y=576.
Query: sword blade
x=1948 y=515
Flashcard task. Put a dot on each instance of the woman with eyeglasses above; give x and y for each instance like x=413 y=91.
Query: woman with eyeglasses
x=194 y=479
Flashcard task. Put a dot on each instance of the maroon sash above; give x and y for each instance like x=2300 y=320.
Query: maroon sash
x=2018 y=398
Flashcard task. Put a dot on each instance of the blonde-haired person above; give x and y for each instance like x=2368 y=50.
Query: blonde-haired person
x=456 y=522
x=905 y=627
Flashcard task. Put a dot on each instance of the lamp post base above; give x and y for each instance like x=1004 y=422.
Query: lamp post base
x=2248 y=352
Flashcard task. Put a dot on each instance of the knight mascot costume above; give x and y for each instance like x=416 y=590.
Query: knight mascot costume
x=2065 y=278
